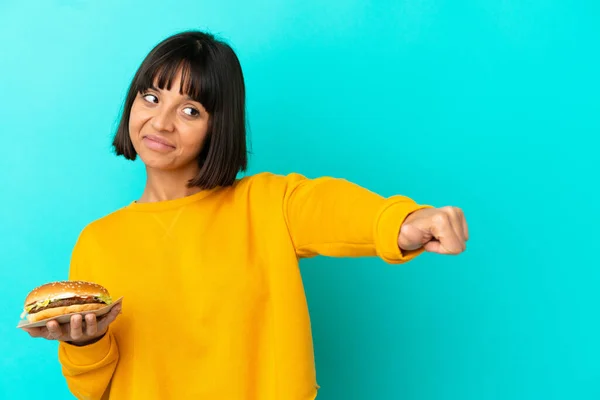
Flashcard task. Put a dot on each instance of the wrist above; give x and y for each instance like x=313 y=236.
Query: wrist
x=81 y=343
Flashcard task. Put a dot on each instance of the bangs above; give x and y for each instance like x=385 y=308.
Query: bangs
x=196 y=81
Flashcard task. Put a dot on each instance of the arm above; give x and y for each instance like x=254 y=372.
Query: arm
x=334 y=217
x=88 y=369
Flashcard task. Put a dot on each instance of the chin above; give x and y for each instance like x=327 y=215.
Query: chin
x=159 y=164
x=165 y=162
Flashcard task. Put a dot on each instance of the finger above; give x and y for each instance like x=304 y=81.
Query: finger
x=91 y=325
x=462 y=223
x=456 y=221
x=76 y=327
x=54 y=330
x=36 y=332
x=110 y=317
x=435 y=246
x=443 y=231
x=438 y=247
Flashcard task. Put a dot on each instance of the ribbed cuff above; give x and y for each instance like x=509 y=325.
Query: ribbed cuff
x=89 y=354
x=387 y=229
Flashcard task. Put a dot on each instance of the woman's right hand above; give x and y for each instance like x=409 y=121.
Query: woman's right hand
x=75 y=332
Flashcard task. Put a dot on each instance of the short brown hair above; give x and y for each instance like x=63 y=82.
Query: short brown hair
x=211 y=75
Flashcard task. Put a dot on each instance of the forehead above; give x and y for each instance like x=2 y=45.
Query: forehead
x=177 y=85
x=176 y=81
x=180 y=78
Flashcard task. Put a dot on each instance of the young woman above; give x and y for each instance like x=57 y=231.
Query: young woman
x=208 y=263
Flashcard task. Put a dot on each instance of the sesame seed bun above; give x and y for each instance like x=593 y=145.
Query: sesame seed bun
x=65 y=289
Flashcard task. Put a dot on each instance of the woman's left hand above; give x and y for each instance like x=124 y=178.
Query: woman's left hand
x=439 y=230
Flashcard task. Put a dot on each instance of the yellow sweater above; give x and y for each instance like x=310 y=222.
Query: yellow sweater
x=214 y=306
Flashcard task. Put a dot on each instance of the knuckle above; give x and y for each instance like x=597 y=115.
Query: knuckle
x=440 y=219
x=453 y=211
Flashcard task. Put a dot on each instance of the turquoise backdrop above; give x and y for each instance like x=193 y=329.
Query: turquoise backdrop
x=490 y=105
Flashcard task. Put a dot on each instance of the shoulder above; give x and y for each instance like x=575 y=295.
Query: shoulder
x=101 y=227
x=267 y=184
x=270 y=179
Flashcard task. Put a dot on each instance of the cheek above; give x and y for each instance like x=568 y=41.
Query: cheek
x=193 y=138
x=135 y=122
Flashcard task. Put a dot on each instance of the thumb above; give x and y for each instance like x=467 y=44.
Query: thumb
x=108 y=319
x=413 y=237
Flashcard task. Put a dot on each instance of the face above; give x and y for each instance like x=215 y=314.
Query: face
x=168 y=129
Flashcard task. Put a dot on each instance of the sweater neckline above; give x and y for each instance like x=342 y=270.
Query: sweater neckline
x=169 y=204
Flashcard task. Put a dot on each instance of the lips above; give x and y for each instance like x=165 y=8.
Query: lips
x=158 y=139
x=157 y=143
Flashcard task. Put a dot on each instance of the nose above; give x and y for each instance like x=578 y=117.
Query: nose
x=163 y=120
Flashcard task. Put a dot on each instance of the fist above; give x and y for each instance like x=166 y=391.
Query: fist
x=438 y=230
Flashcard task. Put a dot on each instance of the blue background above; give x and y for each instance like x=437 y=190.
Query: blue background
x=488 y=105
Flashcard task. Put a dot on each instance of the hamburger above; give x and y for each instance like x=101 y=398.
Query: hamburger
x=64 y=297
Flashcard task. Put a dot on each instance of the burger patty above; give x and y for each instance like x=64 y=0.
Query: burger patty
x=69 y=302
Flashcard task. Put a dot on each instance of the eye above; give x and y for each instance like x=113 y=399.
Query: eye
x=192 y=112
x=150 y=98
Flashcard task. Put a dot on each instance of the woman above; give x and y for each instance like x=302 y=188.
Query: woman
x=207 y=263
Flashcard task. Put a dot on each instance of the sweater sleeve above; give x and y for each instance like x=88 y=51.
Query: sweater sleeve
x=87 y=369
x=334 y=217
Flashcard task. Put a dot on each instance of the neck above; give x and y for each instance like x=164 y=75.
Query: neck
x=164 y=185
